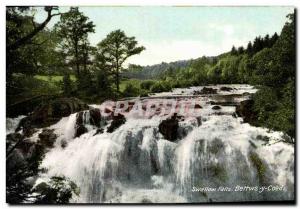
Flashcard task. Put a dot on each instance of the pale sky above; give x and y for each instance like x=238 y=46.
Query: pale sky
x=178 y=33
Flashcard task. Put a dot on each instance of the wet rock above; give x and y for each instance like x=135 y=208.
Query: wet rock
x=95 y=117
x=63 y=143
x=225 y=88
x=197 y=106
x=81 y=129
x=286 y=138
x=199 y=121
x=79 y=126
x=168 y=128
x=12 y=140
x=206 y=90
x=263 y=138
x=99 y=131
x=246 y=94
x=117 y=121
x=50 y=113
x=216 y=107
x=216 y=146
x=47 y=137
x=246 y=110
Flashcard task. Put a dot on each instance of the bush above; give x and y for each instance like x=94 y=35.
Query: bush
x=160 y=87
x=130 y=90
x=147 y=84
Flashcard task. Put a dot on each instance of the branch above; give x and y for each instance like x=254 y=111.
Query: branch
x=22 y=41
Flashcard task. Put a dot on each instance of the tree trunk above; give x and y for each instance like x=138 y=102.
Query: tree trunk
x=76 y=60
x=117 y=79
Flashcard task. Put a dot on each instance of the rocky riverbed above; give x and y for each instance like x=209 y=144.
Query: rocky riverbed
x=164 y=148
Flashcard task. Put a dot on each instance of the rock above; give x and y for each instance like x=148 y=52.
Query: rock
x=199 y=121
x=246 y=94
x=117 y=121
x=79 y=125
x=81 y=129
x=12 y=140
x=47 y=137
x=95 y=117
x=63 y=143
x=207 y=90
x=245 y=110
x=216 y=107
x=197 y=106
x=225 y=88
x=50 y=113
x=99 y=131
x=168 y=128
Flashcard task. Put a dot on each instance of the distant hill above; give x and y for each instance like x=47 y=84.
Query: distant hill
x=154 y=71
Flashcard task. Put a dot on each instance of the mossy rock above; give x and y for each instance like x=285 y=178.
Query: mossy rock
x=216 y=146
x=260 y=167
x=51 y=112
x=218 y=171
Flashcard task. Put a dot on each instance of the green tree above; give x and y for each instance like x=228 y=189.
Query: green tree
x=73 y=29
x=30 y=47
x=115 y=49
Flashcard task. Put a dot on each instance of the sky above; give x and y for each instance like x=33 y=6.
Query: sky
x=179 y=33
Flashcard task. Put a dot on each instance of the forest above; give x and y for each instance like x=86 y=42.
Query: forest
x=43 y=63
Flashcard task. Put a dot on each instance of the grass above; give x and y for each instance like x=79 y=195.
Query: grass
x=53 y=78
x=134 y=82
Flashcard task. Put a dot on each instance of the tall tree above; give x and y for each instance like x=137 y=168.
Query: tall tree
x=233 y=50
x=28 y=44
x=73 y=29
x=13 y=15
x=249 y=49
x=115 y=49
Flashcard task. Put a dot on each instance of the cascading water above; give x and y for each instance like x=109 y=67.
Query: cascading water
x=220 y=160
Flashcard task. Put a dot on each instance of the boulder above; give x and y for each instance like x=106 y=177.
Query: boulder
x=246 y=110
x=225 y=88
x=207 y=90
x=95 y=117
x=117 y=121
x=168 y=128
x=50 y=113
x=12 y=139
x=81 y=129
x=197 y=106
x=79 y=125
x=99 y=131
x=216 y=107
x=199 y=121
x=47 y=137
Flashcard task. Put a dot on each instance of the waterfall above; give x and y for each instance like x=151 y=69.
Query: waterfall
x=137 y=164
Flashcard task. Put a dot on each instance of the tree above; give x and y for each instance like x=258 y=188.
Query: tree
x=233 y=50
x=73 y=30
x=13 y=14
x=249 y=49
x=30 y=45
x=240 y=50
x=115 y=49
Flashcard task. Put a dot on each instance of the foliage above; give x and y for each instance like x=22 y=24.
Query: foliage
x=73 y=29
x=160 y=87
x=147 y=84
x=115 y=49
x=57 y=190
x=130 y=90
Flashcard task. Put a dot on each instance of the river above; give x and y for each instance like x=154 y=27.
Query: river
x=215 y=157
